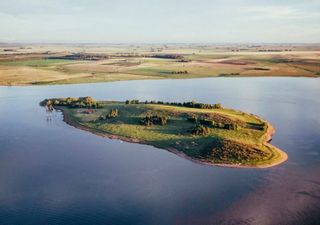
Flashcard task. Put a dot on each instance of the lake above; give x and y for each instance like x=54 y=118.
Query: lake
x=52 y=173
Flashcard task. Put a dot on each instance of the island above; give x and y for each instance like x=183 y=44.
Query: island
x=203 y=133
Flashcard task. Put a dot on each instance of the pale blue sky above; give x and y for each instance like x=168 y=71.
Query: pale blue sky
x=153 y=21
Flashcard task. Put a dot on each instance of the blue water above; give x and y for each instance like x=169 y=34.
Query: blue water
x=52 y=173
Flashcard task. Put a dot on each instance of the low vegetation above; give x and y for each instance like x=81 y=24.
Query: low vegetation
x=200 y=130
x=81 y=56
x=114 y=113
x=150 y=120
x=207 y=133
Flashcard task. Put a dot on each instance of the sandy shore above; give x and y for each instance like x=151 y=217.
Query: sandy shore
x=266 y=138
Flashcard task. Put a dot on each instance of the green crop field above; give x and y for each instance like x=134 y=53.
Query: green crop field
x=34 y=62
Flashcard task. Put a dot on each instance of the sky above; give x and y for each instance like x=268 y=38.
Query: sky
x=160 y=21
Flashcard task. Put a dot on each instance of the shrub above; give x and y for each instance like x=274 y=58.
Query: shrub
x=230 y=126
x=113 y=114
x=150 y=120
x=200 y=130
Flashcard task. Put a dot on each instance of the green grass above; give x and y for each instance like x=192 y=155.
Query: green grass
x=35 y=62
x=176 y=133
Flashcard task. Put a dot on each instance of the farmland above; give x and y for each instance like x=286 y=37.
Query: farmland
x=67 y=64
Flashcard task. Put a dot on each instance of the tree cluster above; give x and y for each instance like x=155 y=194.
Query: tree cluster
x=167 y=56
x=82 y=102
x=134 y=101
x=192 y=104
x=82 y=56
x=180 y=72
x=150 y=120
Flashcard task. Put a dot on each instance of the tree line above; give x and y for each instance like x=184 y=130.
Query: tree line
x=191 y=104
x=82 y=102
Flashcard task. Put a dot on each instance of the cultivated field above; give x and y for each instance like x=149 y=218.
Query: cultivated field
x=65 y=64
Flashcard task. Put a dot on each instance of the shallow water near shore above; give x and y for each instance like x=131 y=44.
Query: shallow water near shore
x=52 y=173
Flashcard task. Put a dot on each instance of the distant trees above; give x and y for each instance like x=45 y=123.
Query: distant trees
x=180 y=72
x=134 y=101
x=167 y=56
x=191 y=104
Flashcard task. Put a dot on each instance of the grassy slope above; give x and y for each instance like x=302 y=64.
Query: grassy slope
x=176 y=133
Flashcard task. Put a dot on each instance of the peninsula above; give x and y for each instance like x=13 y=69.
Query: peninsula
x=203 y=133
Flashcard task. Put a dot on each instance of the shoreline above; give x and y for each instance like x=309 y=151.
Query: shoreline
x=160 y=78
x=266 y=138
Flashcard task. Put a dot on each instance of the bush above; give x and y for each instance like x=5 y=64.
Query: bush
x=113 y=114
x=150 y=120
x=200 y=130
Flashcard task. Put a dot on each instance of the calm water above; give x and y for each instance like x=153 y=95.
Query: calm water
x=52 y=173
